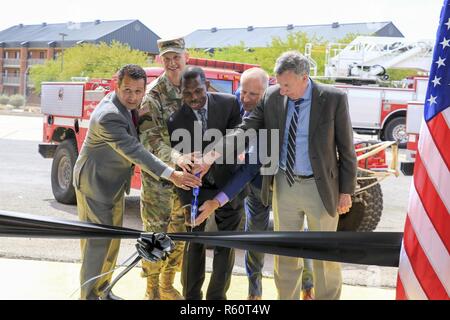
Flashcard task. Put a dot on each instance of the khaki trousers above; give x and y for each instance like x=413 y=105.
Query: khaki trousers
x=98 y=256
x=290 y=206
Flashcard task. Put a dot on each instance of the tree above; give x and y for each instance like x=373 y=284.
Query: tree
x=349 y=37
x=266 y=57
x=87 y=60
x=400 y=74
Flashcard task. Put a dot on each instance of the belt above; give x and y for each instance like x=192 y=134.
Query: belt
x=299 y=176
x=304 y=177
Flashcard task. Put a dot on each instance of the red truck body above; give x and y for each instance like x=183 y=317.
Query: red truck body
x=67 y=107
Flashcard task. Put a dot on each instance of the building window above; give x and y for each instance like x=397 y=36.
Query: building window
x=17 y=55
x=42 y=55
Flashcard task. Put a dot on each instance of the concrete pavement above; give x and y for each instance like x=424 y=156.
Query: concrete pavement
x=45 y=280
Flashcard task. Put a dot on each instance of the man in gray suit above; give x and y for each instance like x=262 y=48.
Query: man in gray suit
x=103 y=171
x=316 y=170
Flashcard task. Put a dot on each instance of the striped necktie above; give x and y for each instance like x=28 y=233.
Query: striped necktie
x=290 y=159
x=202 y=113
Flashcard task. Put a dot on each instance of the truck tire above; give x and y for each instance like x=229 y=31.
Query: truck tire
x=395 y=130
x=366 y=209
x=62 y=172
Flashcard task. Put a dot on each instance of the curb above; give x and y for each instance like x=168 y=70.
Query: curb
x=20 y=113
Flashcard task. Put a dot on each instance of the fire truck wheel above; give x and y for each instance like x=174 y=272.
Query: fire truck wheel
x=366 y=209
x=396 y=131
x=62 y=172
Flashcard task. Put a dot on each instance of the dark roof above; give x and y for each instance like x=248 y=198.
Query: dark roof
x=259 y=37
x=40 y=35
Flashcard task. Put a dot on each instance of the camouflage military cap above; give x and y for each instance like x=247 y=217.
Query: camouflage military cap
x=172 y=45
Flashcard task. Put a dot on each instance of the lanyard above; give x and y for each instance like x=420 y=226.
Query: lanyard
x=194 y=206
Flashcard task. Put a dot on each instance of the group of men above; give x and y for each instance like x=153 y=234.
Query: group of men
x=315 y=176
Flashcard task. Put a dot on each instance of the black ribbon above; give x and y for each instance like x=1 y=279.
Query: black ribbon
x=370 y=248
x=14 y=224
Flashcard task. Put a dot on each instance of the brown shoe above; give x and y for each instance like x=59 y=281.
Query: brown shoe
x=152 y=291
x=166 y=288
x=308 y=294
x=254 y=297
x=170 y=293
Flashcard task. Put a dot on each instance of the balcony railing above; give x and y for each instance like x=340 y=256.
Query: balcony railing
x=11 y=62
x=11 y=80
x=36 y=61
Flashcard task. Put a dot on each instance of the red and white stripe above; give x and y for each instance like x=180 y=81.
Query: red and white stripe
x=424 y=269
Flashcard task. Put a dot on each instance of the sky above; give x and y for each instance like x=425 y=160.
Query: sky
x=417 y=19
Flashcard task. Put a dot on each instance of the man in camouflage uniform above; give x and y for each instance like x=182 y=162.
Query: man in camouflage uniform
x=160 y=206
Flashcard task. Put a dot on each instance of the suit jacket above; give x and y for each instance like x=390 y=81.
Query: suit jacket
x=104 y=167
x=245 y=174
x=223 y=114
x=248 y=172
x=331 y=149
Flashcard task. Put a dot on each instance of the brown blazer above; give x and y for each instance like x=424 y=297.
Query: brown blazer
x=331 y=149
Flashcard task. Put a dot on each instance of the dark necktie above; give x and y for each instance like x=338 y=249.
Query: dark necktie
x=290 y=159
x=135 y=117
x=202 y=113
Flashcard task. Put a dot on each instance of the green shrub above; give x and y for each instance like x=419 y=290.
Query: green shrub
x=17 y=100
x=4 y=99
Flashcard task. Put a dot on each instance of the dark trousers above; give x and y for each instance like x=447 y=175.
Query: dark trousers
x=257 y=219
x=193 y=270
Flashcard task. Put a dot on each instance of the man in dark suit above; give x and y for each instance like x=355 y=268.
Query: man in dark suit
x=253 y=84
x=103 y=171
x=201 y=115
x=309 y=124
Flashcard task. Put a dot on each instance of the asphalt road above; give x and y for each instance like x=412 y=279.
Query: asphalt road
x=25 y=187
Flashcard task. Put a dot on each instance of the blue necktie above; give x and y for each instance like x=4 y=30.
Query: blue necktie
x=290 y=159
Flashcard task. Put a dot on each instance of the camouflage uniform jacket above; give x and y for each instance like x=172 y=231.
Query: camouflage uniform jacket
x=162 y=99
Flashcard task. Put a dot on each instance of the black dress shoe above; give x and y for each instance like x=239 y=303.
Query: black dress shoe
x=111 y=296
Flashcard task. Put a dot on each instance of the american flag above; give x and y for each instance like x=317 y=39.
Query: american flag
x=424 y=269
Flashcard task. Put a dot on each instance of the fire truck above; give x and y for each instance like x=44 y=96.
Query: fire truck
x=67 y=107
x=414 y=117
x=382 y=110
x=362 y=65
